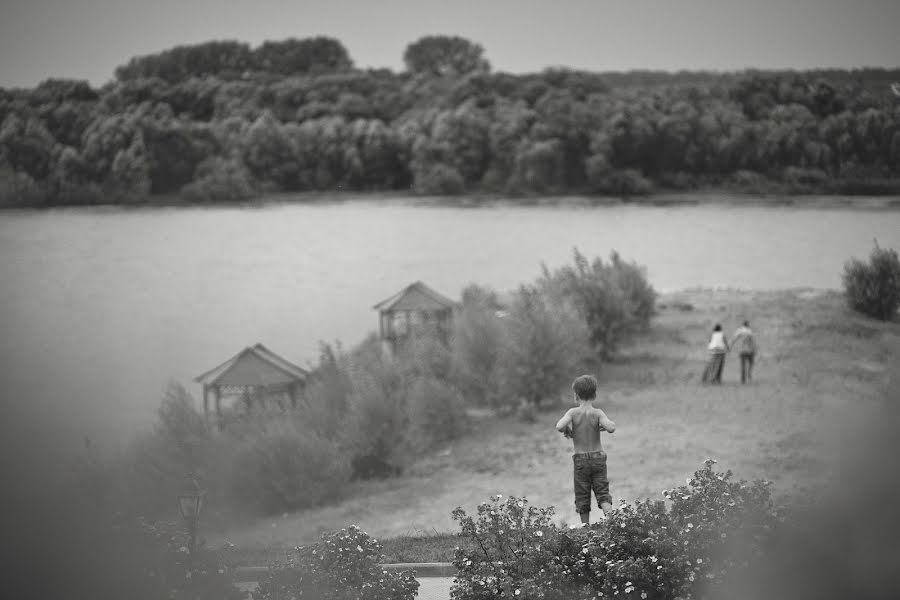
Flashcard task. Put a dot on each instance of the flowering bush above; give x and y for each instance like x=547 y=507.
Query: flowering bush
x=343 y=565
x=172 y=568
x=646 y=550
x=518 y=553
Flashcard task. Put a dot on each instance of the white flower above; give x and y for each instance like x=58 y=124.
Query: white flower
x=520 y=504
x=539 y=533
x=688 y=481
x=653 y=558
x=358 y=547
x=690 y=525
x=643 y=595
x=699 y=561
x=685 y=497
x=518 y=592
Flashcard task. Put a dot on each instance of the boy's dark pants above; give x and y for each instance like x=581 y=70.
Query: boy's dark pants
x=590 y=473
x=746 y=366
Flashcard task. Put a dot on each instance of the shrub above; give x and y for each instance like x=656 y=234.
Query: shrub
x=873 y=288
x=343 y=565
x=181 y=576
x=613 y=299
x=152 y=469
x=426 y=355
x=284 y=466
x=327 y=394
x=644 y=550
x=378 y=412
x=476 y=345
x=436 y=414
x=545 y=344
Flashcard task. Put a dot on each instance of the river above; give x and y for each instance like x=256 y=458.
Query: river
x=100 y=308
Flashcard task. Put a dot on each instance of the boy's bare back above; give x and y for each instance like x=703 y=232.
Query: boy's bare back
x=585 y=425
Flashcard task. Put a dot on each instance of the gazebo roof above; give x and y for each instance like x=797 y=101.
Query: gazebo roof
x=417 y=297
x=254 y=366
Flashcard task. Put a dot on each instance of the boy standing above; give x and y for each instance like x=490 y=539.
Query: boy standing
x=584 y=424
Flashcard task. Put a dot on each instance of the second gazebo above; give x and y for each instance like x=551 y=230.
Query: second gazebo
x=415 y=309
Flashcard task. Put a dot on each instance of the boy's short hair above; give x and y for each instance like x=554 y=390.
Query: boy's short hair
x=585 y=387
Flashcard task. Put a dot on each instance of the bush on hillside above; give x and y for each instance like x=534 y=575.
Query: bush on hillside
x=873 y=288
x=345 y=564
x=614 y=299
x=378 y=414
x=152 y=469
x=436 y=414
x=425 y=355
x=545 y=344
x=645 y=550
x=327 y=395
x=179 y=575
x=477 y=344
x=283 y=466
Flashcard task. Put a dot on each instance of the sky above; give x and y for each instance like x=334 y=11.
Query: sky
x=87 y=39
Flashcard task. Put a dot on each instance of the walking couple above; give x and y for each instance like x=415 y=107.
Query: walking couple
x=743 y=340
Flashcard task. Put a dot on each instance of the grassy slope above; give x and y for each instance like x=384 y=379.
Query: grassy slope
x=819 y=366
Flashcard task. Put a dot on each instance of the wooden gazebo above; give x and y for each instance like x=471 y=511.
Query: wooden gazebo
x=255 y=373
x=415 y=309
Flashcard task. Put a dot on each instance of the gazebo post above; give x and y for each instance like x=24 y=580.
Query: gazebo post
x=218 y=391
x=205 y=401
x=292 y=392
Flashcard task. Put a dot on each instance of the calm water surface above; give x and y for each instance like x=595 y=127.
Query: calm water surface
x=99 y=309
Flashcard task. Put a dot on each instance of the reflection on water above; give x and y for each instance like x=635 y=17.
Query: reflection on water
x=100 y=309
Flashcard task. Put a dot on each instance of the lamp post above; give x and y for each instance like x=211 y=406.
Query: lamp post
x=190 y=504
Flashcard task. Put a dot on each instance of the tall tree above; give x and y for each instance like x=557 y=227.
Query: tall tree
x=444 y=55
x=299 y=56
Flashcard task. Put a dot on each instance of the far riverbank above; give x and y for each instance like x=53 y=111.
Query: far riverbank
x=890 y=200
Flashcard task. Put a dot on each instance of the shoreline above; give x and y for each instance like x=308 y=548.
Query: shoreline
x=702 y=197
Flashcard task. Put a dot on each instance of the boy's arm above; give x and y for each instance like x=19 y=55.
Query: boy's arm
x=566 y=420
x=606 y=423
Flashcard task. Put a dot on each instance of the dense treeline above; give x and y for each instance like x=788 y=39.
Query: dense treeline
x=222 y=121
